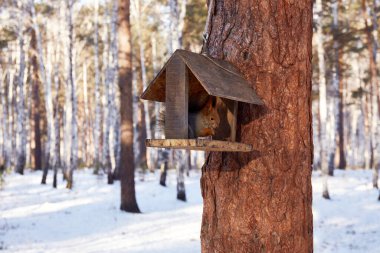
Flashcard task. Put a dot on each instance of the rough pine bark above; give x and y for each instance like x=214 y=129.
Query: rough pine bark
x=261 y=201
x=127 y=165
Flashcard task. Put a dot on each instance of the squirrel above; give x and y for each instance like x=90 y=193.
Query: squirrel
x=202 y=123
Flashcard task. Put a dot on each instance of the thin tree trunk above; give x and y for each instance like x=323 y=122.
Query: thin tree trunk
x=371 y=97
x=180 y=163
x=46 y=79
x=73 y=100
x=107 y=110
x=145 y=113
x=261 y=201
x=338 y=84
x=21 y=140
x=3 y=125
x=10 y=118
x=97 y=91
x=177 y=16
x=37 y=154
x=112 y=94
x=322 y=100
x=127 y=166
x=86 y=129
x=57 y=147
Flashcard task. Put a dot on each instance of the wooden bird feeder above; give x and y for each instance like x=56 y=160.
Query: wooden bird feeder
x=185 y=84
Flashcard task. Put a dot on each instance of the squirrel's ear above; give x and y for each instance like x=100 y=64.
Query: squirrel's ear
x=213 y=102
x=209 y=104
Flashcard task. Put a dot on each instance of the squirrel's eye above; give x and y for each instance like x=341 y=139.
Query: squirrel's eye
x=212 y=118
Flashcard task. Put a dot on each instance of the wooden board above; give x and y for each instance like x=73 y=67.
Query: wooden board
x=176 y=102
x=199 y=144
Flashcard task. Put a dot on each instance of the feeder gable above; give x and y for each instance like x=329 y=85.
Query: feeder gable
x=218 y=78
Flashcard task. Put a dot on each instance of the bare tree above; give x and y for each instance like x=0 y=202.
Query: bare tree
x=322 y=99
x=21 y=132
x=127 y=165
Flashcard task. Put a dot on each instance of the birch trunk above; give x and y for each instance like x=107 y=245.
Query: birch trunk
x=86 y=129
x=97 y=96
x=371 y=97
x=177 y=15
x=57 y=147
x=46 y=79
x=10 y=118
x=145 y=113
x=113 y=117
x=4 y=116
x=73 y=100
x=338 y=85
x=107 y=103
x=322 y=99
x=21 y=140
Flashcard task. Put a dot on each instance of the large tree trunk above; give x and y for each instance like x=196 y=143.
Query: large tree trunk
x=127 y=165
x=261 y=201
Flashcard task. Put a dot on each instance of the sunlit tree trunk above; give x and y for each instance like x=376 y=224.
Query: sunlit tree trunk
x=322 y=99
x=371 y=97
x=71 y=98
x=177 y=16
x=144 y=108
x=262 y=201
x=127 y=165
x=37 y=153
x=106 y=157
x=45 y=74
x=57 y=148
x=338 y=85
x=10 y=114
x=21 y=132
x=3 y=125
x=96 y=150
x=113 y=115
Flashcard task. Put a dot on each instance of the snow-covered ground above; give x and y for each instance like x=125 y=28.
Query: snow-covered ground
x=37 y=218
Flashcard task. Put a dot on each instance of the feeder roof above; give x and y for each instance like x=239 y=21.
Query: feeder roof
x=219 y=78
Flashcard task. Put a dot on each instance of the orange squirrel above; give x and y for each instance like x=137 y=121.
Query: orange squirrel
x=202 y=123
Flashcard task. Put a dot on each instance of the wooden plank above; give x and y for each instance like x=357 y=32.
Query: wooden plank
x=199 y=144
x=232 y=119
x=177 y=95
